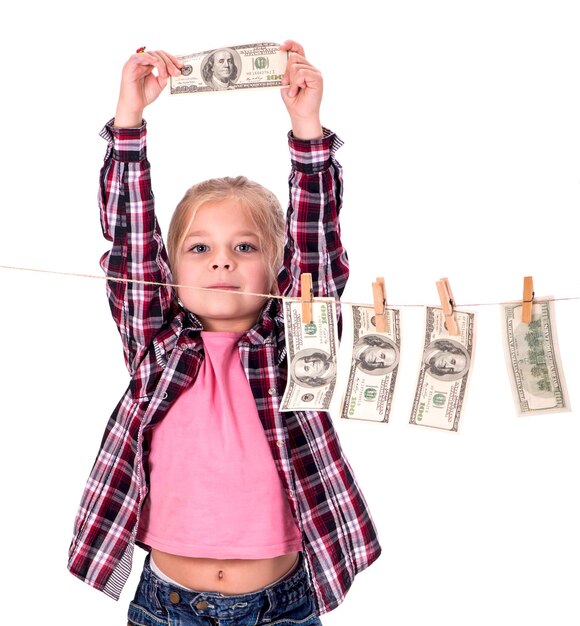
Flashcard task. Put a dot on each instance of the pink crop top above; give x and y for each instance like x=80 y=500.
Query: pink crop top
x=214 y=488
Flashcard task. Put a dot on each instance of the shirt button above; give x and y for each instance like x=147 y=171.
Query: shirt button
x=272 y=391
x=164 y=395
x=291 y=493
x=280 y=444
x=202 y=605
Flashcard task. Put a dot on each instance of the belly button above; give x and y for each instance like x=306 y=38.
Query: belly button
x=220 y=574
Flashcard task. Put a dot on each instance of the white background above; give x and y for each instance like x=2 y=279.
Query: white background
x=461 y=158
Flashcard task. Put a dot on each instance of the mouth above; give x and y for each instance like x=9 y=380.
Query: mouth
x=223 y=287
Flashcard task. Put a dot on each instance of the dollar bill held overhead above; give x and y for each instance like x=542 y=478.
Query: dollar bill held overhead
x=533 y=359
x=374 y=366
x=312 y=355
x=444 y=371
x=248 y=66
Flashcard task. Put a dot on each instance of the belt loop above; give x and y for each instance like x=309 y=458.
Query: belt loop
x=155 y=594
x=266 y=615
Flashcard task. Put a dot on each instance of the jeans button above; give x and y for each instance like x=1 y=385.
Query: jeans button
x=202 y=605
x=174 y=597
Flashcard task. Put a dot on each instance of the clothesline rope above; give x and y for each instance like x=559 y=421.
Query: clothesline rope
x=245 y=293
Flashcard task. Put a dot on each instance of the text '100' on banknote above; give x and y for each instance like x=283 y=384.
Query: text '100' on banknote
x=533 y=359
x=248 y=66
x=444 y=371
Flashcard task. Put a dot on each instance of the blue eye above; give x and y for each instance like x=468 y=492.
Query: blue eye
x=199 y=248
x=245 y=247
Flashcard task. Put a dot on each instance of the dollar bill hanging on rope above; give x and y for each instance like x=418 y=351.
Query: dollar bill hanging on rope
x=247 y=66
x=312 y=356
x=533 y=359
x=444 y=371
x=374 y=366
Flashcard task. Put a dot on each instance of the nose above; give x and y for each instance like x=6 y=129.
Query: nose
x=222 y=259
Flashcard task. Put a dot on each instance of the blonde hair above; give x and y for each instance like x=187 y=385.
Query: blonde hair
x=261 y=204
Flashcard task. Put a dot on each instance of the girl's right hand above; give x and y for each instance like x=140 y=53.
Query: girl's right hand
x=140 y=86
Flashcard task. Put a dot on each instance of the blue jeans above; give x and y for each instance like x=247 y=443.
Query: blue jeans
x=287 y=602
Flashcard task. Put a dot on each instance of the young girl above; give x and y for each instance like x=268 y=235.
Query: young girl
x=248 y=515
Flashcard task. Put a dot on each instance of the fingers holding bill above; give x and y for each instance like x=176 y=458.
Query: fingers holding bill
x=295 y=54
x=166 y=64
x=292 y=46
x=144 y=77
x=300 y=74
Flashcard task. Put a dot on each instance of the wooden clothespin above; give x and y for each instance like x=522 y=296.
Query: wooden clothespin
x=448 y=306
x=306 y=297
x=528 y=299
x=380 y=304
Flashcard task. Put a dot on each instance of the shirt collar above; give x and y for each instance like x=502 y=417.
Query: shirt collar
x=259 y=333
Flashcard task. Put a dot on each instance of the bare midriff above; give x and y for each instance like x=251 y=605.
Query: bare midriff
x=229 y=576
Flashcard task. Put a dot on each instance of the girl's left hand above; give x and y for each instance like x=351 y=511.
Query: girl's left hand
x=303 y=93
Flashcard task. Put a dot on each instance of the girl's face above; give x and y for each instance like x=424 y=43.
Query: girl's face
x=222 y=251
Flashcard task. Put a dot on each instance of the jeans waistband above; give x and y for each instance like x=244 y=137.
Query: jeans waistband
x=288 y=590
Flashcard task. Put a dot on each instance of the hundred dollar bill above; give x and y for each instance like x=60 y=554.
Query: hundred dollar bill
x=312 y=354
x=444 y=371
x=237 y=67
x=533 y=359
x=374 y=366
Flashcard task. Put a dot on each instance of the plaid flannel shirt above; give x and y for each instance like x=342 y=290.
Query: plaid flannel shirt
x=163 y=351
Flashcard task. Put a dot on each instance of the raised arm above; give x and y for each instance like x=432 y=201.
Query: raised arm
x=127 y=211
x=313 y=242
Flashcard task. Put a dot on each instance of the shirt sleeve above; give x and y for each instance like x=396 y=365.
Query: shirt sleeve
x=313 y=243
x=138 y=253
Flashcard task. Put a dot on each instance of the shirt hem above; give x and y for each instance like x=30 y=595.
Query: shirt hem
x=214 y=552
